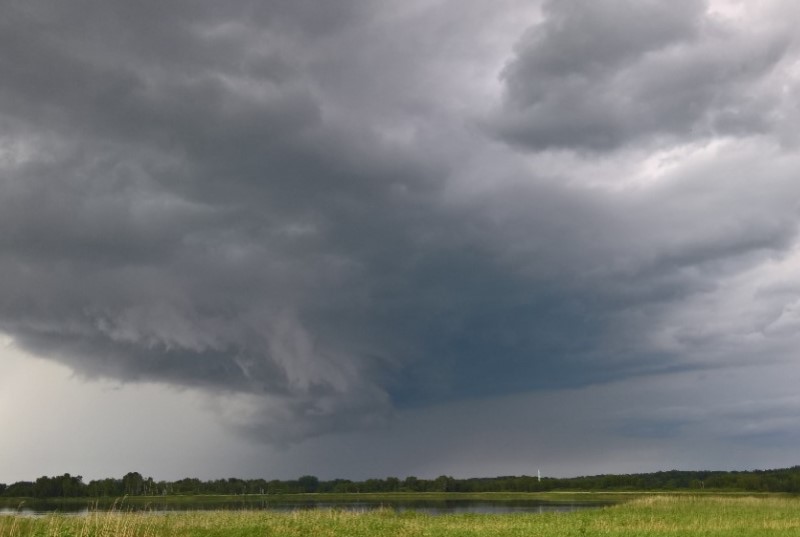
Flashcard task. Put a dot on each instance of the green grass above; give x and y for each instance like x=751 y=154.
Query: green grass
x=651 y=516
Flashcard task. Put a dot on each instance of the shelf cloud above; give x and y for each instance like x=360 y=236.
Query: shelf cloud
x=322 y=215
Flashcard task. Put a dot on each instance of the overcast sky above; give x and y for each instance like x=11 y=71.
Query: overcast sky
x=358 y=239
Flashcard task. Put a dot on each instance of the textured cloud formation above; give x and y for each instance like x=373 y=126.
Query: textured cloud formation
x=600 y=75
x=320 y=215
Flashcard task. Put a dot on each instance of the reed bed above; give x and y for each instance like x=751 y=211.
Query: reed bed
x=649 y=517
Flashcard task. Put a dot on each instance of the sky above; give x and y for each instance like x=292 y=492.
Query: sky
x=363 y=239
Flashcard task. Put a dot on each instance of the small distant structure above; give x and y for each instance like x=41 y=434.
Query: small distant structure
x=539 y=475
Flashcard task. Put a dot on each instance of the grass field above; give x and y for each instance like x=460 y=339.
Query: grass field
x=669 y=515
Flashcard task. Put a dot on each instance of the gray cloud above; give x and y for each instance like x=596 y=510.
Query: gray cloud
x=291 y=208
x=600 y=75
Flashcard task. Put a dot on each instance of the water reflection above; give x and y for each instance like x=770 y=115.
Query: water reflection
x=431 y=507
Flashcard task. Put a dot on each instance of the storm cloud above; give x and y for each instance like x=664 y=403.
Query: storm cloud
x=323 y=214
x=600 y=75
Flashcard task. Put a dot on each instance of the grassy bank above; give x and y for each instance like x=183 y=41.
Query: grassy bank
x=677 y=515
x=201 y=501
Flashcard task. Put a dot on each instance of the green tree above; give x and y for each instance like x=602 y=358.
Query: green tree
x=100 y=488
x=46 y=487
x=444 y=483
x=20 y=489
x=308 y=483
x=72 y=486
x=133 y=483
x=411 y=484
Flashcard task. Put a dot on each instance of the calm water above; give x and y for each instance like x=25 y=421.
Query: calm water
x=441 y=507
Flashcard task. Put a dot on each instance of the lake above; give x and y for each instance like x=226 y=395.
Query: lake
x=432 y=507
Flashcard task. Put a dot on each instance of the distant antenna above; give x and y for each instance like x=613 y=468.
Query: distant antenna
x=539 y=475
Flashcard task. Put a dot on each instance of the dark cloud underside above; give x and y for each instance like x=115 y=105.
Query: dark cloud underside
x=287 y=202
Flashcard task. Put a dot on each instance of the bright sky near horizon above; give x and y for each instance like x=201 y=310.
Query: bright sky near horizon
x=360 y=239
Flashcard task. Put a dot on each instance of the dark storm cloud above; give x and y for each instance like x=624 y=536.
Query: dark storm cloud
x=234 y=198
x=600 y=75
x=179 y=209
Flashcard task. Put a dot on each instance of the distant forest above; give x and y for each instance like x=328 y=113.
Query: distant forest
x=134 y=484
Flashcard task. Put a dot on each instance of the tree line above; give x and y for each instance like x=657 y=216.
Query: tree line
x=134 y=484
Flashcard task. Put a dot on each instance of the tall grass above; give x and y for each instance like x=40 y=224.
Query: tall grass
x=649 y=517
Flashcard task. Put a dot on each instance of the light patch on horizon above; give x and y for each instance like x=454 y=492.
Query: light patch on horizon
x=55 y=422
